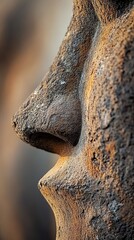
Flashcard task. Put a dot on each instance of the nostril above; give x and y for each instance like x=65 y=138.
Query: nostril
x=55 y=129
x=48 y=142
x=57 y=137
x=38 y=137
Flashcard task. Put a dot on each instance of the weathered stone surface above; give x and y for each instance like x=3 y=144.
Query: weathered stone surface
x=83 y=110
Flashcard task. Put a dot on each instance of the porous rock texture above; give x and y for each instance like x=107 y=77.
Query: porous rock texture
x=83 y=110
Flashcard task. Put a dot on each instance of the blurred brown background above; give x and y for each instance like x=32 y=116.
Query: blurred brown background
x=30 y=34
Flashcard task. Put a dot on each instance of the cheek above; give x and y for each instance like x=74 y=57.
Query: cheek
x=106 y=142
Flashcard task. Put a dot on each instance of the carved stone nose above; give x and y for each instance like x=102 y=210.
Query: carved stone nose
x=49 y=122
x=50 y=119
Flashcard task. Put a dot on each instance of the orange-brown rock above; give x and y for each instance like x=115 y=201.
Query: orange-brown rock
x=83 y=110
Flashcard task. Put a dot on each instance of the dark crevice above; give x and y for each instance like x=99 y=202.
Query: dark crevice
x=51 y=143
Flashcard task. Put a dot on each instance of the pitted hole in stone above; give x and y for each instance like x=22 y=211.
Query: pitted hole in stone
x=14 y=124
x=26 y=104
x=40 y=184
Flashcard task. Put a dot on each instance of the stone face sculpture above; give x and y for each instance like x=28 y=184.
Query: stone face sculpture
x=83 y=111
